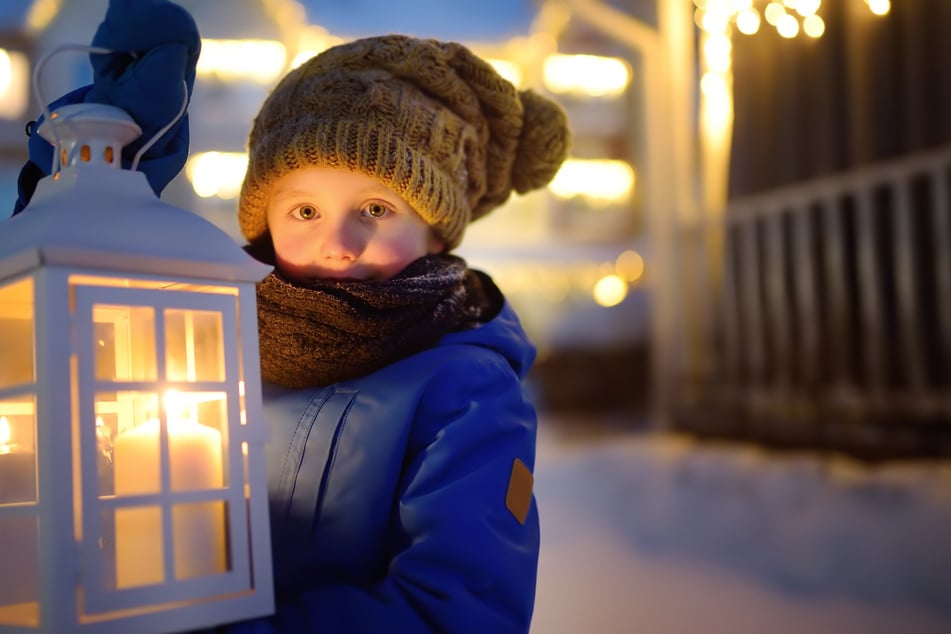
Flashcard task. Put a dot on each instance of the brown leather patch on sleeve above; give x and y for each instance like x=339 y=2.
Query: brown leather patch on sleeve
x=518 y=499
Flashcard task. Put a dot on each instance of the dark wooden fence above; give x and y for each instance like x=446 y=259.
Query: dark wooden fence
x=829 y=315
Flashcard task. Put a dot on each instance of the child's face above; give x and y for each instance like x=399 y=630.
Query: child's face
x=330 y=223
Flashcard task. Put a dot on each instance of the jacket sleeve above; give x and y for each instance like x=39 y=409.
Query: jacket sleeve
x=156 y=46
x=464 y=562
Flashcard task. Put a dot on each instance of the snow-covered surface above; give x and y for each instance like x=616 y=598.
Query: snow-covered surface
x=658 y=533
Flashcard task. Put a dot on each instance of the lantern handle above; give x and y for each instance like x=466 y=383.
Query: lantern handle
x=158 y=135
x=37 y=90
x=41 y=100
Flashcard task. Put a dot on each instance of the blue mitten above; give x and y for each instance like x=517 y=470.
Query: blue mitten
x=156 y=46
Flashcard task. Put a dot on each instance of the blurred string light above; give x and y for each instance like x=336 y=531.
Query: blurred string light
x=41 y=13
x=217 y=173
x=629 y=265
x=586 y=75
x=788 y=17
x=14 y=84
x=261 y=61
x=507 y=69
x=599 y=181
x=719 y=21
x=312 y=40
x=610 y=290
x=607 y=283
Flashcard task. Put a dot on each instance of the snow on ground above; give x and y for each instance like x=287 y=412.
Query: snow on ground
x=656 y=533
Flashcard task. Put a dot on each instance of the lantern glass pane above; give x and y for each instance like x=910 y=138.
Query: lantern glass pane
x=139 y=547
x=194 y=429
x=199 y=539
x=16 y=333
x=130 y=431
x=194 y=345
x=125 y=343
x=19 y=552
x=17 y=451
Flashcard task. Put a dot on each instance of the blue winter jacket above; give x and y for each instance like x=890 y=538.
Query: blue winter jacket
x=400 y=501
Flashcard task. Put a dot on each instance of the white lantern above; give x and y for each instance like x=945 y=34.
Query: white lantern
x=132 y=483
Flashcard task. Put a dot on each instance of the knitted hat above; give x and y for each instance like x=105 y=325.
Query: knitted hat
x=429 y=119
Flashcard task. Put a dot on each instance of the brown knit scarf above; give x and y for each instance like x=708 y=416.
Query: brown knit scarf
x=322 y=332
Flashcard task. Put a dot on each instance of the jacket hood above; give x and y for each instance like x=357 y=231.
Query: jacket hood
x=503 y=334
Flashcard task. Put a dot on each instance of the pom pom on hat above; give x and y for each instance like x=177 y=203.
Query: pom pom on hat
x=431 y=120
x=543 y=144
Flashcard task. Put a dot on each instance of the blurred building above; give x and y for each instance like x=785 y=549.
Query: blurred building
x=750 y=237
x=572 y=258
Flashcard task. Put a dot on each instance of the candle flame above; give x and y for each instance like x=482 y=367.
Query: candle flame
x=5 y=433
x=184 y=405
x=173 y=399
x=179 y=406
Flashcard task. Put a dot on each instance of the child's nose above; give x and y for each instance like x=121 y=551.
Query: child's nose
x=341 y=241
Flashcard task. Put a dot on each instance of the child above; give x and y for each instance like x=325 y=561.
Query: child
x=401 y=449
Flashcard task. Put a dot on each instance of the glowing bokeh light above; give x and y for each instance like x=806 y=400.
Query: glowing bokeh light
x=610 y=290
x=217 y=173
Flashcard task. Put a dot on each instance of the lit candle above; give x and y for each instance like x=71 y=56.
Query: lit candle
x=18 y=545
x=197 y=529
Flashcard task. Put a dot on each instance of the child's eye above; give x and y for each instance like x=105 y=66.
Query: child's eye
x=305 y=212
x=376 y=210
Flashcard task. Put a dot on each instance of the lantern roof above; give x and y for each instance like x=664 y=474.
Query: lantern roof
x=97 y=217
